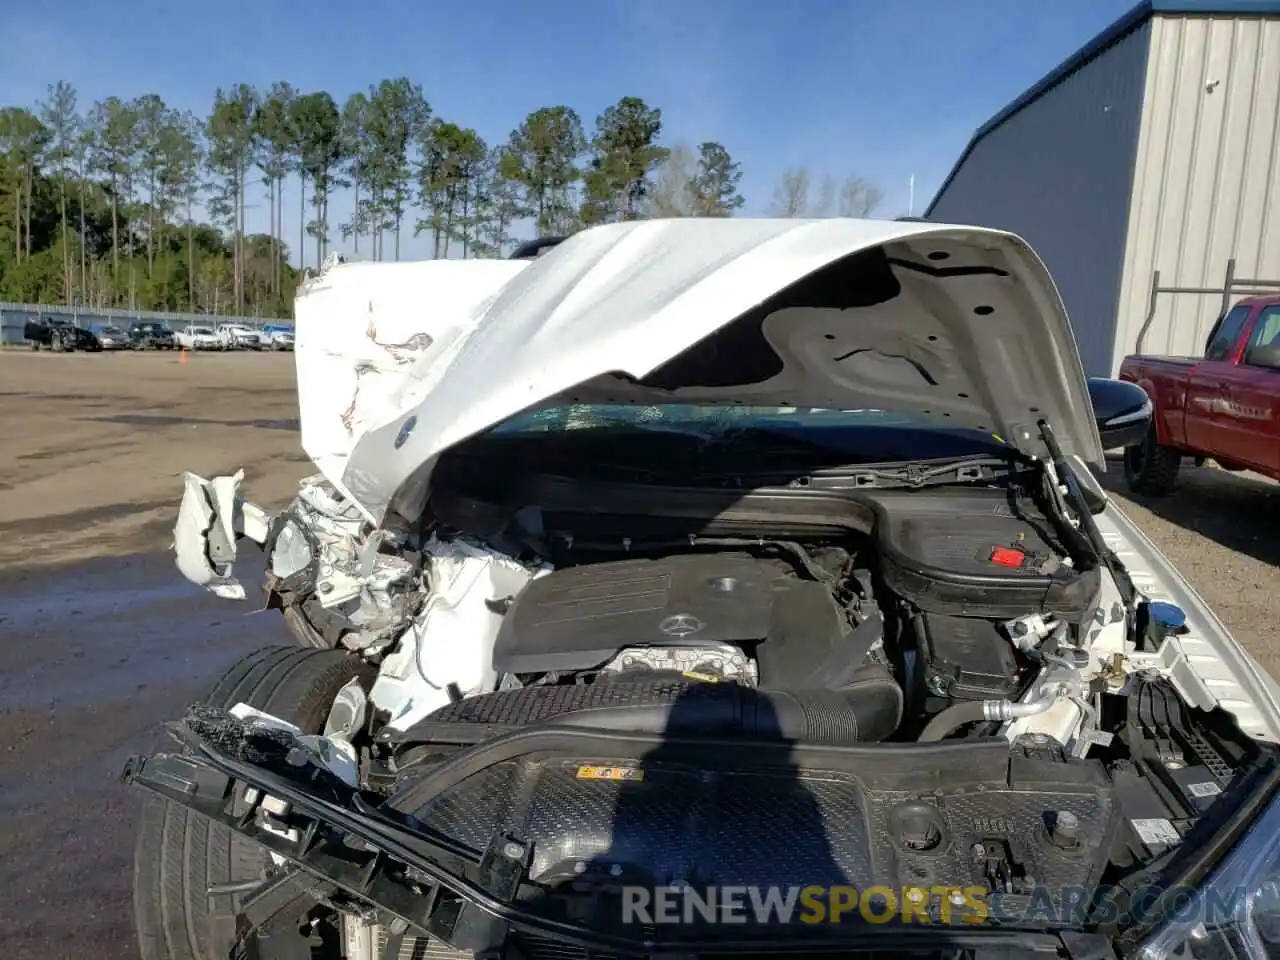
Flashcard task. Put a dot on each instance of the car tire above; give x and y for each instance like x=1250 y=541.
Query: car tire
x=1150 y=467
x=180 y=854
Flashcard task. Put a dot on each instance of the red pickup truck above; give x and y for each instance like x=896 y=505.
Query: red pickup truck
x=1224 y=405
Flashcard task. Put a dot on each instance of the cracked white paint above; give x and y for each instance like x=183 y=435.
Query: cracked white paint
x=359 y=326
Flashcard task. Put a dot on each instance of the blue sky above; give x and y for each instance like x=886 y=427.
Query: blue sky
x=878 y=88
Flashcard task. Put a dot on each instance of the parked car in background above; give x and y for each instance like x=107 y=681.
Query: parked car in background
x=1224 y=405
x=111 y=336
x=278 y=336
x=58 y=335
x=150 y=335
x=234 y=336
x=198 y=338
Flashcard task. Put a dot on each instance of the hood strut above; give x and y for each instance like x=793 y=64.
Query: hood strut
x=1062 y=473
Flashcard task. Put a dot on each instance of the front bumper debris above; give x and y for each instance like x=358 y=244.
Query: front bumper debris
x=211 y=519
x=260 y=782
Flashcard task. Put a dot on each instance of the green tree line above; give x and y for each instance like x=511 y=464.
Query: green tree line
x=132 y=203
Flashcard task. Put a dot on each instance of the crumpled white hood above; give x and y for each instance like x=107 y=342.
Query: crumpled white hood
x=399 y=362
x=366 y=332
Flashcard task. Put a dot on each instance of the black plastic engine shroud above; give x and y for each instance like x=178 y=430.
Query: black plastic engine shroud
x=578 y=618
x=772 y=814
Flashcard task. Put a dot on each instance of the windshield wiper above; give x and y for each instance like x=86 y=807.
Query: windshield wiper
x=882 y=476
x=930 y=473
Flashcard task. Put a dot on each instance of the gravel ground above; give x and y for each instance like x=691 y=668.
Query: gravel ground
x=101 y=641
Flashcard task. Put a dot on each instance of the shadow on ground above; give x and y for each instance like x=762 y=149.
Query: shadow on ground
x=1239 y=511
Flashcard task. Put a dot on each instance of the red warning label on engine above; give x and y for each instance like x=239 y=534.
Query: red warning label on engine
x=1007 y=557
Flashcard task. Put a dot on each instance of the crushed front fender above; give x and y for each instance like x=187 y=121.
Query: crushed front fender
x=213 y=517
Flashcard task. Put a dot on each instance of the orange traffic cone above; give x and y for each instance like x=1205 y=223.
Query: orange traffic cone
x=182 y=357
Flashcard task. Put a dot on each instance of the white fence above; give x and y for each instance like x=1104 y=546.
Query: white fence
x=15 y=316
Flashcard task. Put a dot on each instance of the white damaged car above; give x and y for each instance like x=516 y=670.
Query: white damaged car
x=757 y=567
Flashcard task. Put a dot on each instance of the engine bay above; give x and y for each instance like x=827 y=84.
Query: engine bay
x=585 y=684
x=891 y=607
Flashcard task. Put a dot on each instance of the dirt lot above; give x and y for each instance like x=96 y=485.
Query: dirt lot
x=94 y=445
x=100 y=640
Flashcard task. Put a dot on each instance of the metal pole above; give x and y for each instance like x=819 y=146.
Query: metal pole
x=1151 y=311
x=1226 y=287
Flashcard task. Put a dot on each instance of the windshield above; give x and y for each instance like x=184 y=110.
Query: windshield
x=708 y=420
x=205 y=331
x=110 y=330
x=865 y=434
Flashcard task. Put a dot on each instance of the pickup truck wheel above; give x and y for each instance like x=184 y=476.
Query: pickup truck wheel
x=181 y=855
x=1150 y=467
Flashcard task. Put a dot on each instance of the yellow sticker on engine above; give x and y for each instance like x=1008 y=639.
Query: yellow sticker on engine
x=704 y=677
x=610 y=773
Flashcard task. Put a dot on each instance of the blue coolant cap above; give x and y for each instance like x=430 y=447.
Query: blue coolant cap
x=1167 y=615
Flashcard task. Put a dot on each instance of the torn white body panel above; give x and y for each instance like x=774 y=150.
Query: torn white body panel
x=212 y=517
x=447 y=651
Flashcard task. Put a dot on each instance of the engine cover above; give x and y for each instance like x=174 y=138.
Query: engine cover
x=578 y=618
x=779 y=815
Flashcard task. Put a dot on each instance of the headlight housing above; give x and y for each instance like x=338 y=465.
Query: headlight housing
x=1236 y=911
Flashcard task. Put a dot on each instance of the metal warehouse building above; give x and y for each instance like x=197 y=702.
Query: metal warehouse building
x=1146 y=164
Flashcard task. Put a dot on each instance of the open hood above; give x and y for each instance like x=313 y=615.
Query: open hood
x=399 y=362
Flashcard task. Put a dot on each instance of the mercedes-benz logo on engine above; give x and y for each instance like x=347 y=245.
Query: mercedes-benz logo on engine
x=681 y=625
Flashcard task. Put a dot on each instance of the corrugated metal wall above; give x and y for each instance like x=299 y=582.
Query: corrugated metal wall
x=1058 y=173
x=1207 y=178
